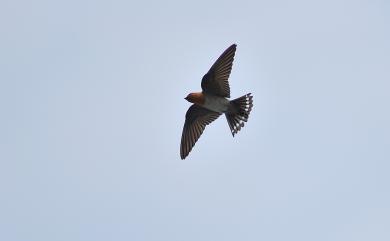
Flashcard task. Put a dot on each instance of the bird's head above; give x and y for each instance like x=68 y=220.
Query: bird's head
x=196 y=98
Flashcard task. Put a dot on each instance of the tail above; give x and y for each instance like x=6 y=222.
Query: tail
x=239 y=112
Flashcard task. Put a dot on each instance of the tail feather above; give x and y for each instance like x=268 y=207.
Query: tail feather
x=239 y=112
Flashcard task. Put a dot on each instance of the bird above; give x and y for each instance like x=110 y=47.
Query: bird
x=213 y=101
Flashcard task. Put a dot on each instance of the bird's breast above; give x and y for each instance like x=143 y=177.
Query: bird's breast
x=216 y=103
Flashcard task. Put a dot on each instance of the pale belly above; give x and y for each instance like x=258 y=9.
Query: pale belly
x=216 y=103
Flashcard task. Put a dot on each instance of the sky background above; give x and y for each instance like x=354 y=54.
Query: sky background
x=92 y=109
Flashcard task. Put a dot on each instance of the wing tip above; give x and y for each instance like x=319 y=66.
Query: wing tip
x=232 y=47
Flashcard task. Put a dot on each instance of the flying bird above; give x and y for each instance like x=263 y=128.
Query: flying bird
x=213 y=101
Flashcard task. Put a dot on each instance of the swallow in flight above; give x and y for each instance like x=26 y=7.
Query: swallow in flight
x=213 y=101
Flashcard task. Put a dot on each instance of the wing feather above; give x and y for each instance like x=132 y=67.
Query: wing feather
x=215 y=81
x=197 y=118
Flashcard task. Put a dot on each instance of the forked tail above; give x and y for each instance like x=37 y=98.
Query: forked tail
x=239 y=112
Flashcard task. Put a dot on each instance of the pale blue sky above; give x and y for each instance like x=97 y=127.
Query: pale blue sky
x=92 y=109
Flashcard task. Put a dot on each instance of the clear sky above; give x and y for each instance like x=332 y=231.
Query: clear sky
x=92 y=109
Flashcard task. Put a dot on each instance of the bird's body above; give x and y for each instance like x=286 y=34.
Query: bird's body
x=216 y=103
x=213 y=101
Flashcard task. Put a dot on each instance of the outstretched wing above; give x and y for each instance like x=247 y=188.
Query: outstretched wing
x=197 y=118
x=216 y=80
